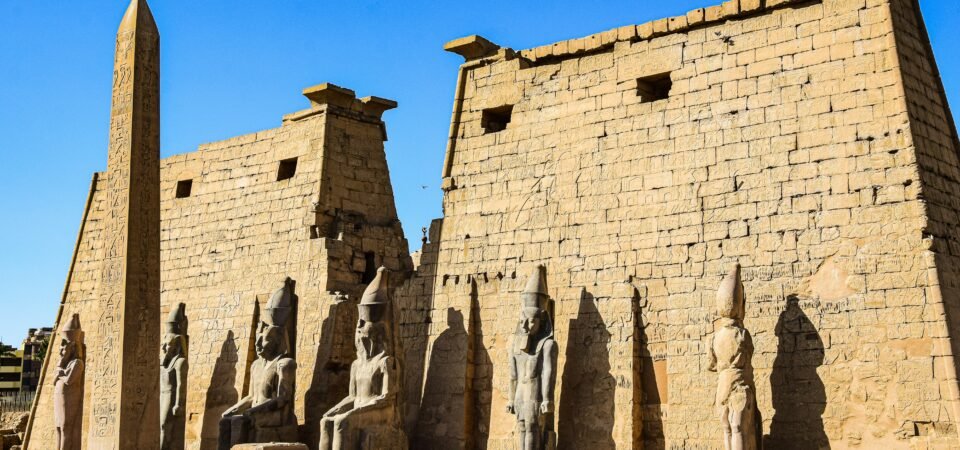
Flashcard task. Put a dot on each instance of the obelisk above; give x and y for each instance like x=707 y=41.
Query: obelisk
x=125 y=387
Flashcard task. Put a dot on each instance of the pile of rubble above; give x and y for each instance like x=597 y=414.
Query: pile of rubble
x=12 y=427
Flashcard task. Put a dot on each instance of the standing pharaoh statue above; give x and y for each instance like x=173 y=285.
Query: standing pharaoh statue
x=370 y=416
x=68 y=386
x=266 y=414
x=173 y=379
x=533 y=368
x=731 y=353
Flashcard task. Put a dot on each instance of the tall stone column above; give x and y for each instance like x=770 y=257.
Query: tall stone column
x=124 y=394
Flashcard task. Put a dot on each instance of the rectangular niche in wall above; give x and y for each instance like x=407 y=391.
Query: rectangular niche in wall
x=496 y=119
x=654 y=87
x=183 y=188
x=287 y=169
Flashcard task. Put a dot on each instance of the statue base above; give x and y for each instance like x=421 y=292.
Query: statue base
x=270 y=446
x=383 y=438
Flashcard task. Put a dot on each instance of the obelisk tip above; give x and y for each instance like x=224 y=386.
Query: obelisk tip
x=138 y=18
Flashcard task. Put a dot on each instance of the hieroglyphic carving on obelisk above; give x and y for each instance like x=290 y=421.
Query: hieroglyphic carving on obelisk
x=124 y=388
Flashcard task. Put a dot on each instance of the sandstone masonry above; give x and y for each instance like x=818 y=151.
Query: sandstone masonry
x=809 y=141
x=310 y=200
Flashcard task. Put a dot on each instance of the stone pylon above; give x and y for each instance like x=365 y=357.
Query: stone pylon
x=124 y=386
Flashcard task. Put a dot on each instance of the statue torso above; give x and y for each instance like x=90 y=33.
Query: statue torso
x=370 y=378
x=529 y=395
x=168 y=375
x=733 y=349
x=264 y=380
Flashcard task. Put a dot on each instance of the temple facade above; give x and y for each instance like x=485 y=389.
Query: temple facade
x=807 y=142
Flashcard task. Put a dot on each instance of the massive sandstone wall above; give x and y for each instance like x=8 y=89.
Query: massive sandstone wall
x=809 y=141
x=229 y=244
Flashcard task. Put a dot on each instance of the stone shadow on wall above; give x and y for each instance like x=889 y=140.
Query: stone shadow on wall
x=413 y=314
x=222 y=392
x=651 y=400
x=480 y=379
x=587 y=388
x=330 y=377
x=447 y=365
x=799 y=396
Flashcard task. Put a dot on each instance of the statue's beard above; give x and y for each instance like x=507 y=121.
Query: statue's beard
x=529 y=341
x=368 y=346
x=169 y=356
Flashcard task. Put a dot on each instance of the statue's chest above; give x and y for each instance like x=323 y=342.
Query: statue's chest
x=728 y=346
x=264 y=382
x=168 y=375
x=369 y=379
x=528 y=366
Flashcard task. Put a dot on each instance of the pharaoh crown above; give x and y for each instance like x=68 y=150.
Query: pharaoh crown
x=71 y=330
x=730 y=295
x=537 y=285
x=278 y=308
x=176 y=320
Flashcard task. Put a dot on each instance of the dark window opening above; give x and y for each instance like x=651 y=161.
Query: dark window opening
x=183 y=188
x=654 y=87
x=370 y=270
x=10 y=376
x=496 y=119
x=288 y=168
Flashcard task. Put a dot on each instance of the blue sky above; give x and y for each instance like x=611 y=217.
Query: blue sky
x=234 y=67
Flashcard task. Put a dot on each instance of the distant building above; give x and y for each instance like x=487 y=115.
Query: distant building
x=33 y=351
x=10 y=369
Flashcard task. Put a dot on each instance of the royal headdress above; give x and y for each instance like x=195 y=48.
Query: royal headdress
x=71 y=330
x=376 y=297
x=730 y=299
x=281 y=303
x=176 y=320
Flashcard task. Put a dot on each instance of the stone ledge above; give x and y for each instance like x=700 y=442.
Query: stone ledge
x=728 y=10
x=270 y=446
x=471 y=47
x=328 y=97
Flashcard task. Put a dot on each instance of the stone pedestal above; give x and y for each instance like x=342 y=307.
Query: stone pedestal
x=270 y=446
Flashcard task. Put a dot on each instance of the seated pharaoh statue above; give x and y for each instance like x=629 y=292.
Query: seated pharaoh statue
x=370 y=416
x=266 y=414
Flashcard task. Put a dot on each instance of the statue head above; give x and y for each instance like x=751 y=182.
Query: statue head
x=271 y=342
x=174 y=339
x=372 y=334
x=534 y=324
x=70 y=336
x=730 y=298
x=171 y=346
